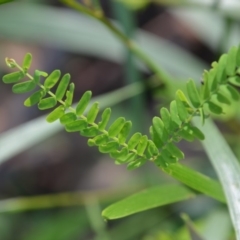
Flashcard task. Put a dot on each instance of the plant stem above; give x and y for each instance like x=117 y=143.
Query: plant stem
x=129 y=43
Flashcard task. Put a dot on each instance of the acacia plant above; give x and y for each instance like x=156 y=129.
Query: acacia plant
x=173 y=124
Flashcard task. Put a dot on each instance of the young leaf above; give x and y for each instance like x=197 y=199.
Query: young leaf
x=214 y=108
x=33 y=99
x=12 y=77
x=193 y=94
x=52 y=79
x=142 y=145
x=55 y=114
x=83 y=103
x=151 y=149
x=105 y=118
x=181 y=96
x=92 y=113
x=47 y=103
x=116 y=127
x=27 y=62
x=89 y=131
x=76 y=126
x=231 y=61
x=109 y=147
x=24 y=87
x=68 y=118
x=122 y=136
x=133 y=141
x=62 y=86
x=69 y=95
x=159 y=128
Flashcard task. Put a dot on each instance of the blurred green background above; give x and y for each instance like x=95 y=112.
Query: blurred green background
x=71 y=182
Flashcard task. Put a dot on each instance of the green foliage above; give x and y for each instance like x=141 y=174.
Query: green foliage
x=169 y=128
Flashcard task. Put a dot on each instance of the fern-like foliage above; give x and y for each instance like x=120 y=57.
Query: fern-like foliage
x=170 y=127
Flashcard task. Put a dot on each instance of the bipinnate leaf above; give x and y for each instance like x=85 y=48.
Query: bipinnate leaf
x=62 y=86
x=133 y=141
x=76 y=126
x=69 y=95
x=68 y=118
x=83 y=103
x=55 y=114
x=109 y=147
x=52 y=79
x=47 y=103
x=12 y=77
x=116 y=127
x=123 y=134
x=27 y=62
x=193 y=93
x=104 y=119
x=92 y=113
x=23 y=87
x=142 y=145
x=33 y=99
x=153 y=197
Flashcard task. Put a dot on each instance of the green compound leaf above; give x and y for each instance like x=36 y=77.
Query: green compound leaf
x=69 y=95
x=231 y=61
x=76 y=126
x=159 y=128
x=47 y=103
x=153 y=197
x=62 y=86
x=109 y=147
x=175 y=151
x=116 y=127
x=89 y=131
x=133 y=141
x=27 y=62
x=142 y=145
x=123 y=134
x=34 y=98
x=105 y=118
x=83 y=103
x=92 y=113
x=234 y=80
x=13 y=77
x=52 y=79
x=193 y=93
x=55 y=114
x=68 y=118
x=214 y=108
x=24 y=87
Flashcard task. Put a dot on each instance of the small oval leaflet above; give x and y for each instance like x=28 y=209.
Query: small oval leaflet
x=193 y=94
x=27 y=61
x=133 y=141
x=123 y=134
x=89 y=131
x=214 y=108
x=55 y=114
x=23 y=87
x=92 y=113
x=142 y=145
x=33 y=99
x=68 y=118
x=76 y=126
x=52 y=79
x=83 y=103
x=47 y=103
x=105 y=118
x=12 y=77
x=62 y=86
x=109 y=147
x=116 y=127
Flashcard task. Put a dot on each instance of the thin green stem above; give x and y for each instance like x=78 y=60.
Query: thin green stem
x=129 y=43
